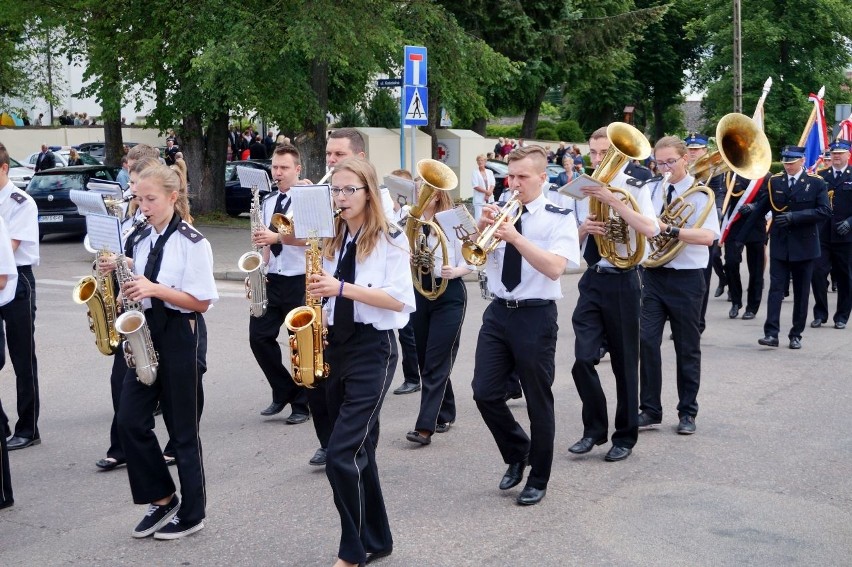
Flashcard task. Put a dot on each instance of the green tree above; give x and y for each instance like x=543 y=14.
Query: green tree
x=383 y=110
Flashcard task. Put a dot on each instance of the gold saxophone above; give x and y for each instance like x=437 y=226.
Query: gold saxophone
x=98 y=293
x=305 y=322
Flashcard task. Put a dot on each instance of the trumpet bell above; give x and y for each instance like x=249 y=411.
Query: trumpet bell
x=473 y=253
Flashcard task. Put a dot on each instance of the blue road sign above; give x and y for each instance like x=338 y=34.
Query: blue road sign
x=415 y=66
x=416 y=106
x=388 y=83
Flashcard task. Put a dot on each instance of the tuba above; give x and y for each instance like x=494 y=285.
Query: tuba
x=476 y=252
x=626 y=143
x=436 y=177
x=251 y=263
x=305 y=322
x=743 y=149
x=138 y=347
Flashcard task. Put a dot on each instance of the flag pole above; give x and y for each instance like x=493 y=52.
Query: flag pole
x=811 y=119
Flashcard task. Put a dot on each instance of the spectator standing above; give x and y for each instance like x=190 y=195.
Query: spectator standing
x=257 y=150
x=171 y=151
x=74 y=157
x=45 y=160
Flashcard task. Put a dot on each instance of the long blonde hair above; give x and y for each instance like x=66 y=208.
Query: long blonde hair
x=182 y=204
x=167 y=179
x=375 y=223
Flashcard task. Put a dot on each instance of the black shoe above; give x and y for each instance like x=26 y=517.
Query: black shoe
x=318 y=460
x=686 y=425
x=795 y=343
x=646 y=421
x=177 y=529
x=530 y=496
x=513 y=396
x=734 y=312
x=514 y=475
x=297 y=418
x=417 y=437
x=748 y=315
x=407 y=388
x=7 y=504
x=833 y=286
x=816 y=323
x=617 y=453
x=602 y=353
x=719 y=291
x=108 y=463
x=768 y=341
x=378 y=555
x=443 y=427
x=156 y=517
x=16 y=442
x=273 y=408
x=585 y=445
x=840 y=324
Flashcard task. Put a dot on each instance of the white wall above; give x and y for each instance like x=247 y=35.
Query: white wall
x=21 y=142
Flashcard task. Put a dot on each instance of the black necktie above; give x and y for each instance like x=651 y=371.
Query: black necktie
x=591 y=254
x=344 y=309
x=511 y=275
x=157 y=314
x=670 y=195
x=426 y=278
x=276 y=248
x=790 y=182
x=836 y=174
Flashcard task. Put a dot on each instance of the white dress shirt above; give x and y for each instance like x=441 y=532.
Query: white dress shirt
x=7 y=265
x=291 y=261
x=477 y=180
x=20 y=212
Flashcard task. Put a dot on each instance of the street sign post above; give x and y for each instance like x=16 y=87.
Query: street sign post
x=414 y=104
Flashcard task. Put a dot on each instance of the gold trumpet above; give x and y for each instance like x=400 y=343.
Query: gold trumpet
x=476 y=253
x=283 y=223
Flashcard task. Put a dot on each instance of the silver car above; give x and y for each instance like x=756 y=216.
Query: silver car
x=19 y=174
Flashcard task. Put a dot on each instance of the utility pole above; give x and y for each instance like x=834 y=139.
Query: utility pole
x=738 y=59
x=50 y=77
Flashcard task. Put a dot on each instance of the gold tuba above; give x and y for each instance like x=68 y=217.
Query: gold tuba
x=305 y=322
x=98 y=293
x=626 y=143
x=743 y=149
x=436 y=177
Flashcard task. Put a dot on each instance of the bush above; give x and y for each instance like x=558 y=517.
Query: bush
x=382 y=111
x=503 y=131
x=570 y=131
x=546 y=132
x=351 y=118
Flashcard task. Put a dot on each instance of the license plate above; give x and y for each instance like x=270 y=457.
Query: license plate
x=50 y=218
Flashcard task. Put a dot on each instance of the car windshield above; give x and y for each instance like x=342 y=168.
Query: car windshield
x=47 y=183
x=498 y=166
x=14 y=163
x=89 y=160
x=229 y=172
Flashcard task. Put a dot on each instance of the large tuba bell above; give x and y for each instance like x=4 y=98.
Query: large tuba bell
x=743 y=149
x=436 y=177
x=626 y=143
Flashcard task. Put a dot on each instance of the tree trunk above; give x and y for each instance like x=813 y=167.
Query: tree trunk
x=531 y=115
x=110 y=91
x=434 y=119
x=478 y=126
x=312 y=143
x=205 y=154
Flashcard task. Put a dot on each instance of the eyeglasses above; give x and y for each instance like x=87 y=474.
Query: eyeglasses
x=349 y=190
x=669 y=163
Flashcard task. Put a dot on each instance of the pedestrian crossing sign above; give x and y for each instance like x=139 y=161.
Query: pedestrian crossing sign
x=416 y=106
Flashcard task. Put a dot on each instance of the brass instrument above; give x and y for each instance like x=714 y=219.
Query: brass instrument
x=743 y=149
x=138 y=347
x=436 y=177
x=283 y=223
x=626 y=143
x=98 y=293
x=476 y=252
x=251 y=263
x=305 y=322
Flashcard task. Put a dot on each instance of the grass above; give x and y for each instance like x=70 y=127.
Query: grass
x=220 y=219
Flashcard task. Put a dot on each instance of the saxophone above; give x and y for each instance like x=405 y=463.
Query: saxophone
x=305 y=322
x=98 y=293
x=251 y=263
x=138 y=347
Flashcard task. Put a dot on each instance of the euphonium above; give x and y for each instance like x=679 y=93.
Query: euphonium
x=436 y=177
x=138 y=346
x=251 y=263
x=626 y=143
x=475 y=253
x=98 y=293
x=305 y=322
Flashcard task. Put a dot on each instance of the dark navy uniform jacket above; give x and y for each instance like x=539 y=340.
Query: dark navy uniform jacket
x=841 y=204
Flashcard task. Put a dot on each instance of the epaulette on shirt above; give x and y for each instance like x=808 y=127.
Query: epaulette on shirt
x=553 y=187
x=190 y=232
x=20 y=199
x=779 y=174
x=554 y=209
x=655 y=179
x=635 y=182
x=393 y=231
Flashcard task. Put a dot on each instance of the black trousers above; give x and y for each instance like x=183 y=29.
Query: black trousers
x=284 y=293
x=361 y=371
x=6 y=495
x=714 y=264
x=437 y=332
x=523 y=340
x=676 y=295
x=182 y=346
x=608 y=306
x=408 y=351
x=756 y=263
x=779 y=278
x=19 y=318
x=116 y=382
x=836 y=259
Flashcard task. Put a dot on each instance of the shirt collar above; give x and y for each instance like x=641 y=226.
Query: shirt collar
x=536 y=204
x=682 y=185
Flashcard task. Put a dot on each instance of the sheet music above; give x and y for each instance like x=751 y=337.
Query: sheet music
x=104 y=232
x=251 y=177
x=89 y=202
x=401 y=189
x=110 y=189
x=312 y=214
x=574 y=187
x=457 y=224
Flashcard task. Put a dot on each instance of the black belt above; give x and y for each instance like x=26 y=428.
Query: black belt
x=28 y=269
x=172 y=313
x=610 y=269
x=516 y=303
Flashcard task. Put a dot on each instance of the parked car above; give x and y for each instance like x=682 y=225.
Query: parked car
x=62 y=159
x=553 y=171
x=51 y=191
x=19 y=175
x=500 y=169
x=98 y=149
x=237 y=197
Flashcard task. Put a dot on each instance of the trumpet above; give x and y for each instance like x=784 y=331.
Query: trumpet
x=476 y=252
x=283 y=222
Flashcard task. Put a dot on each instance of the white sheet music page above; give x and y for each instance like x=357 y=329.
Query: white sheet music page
x=104 y=232
x=105 y=187
x=88 y=202
x=312 y=214
x=251 y=177
x=401 y=190
x=457 y=223
x=574 y=188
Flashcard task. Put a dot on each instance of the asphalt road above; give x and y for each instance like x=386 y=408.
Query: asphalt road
x=765 y=481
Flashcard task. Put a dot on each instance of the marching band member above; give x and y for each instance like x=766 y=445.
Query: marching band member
x=675 y=290
x=608 y=308
x=8 y=287
x=798 y=202
x=174 y=281
x=752 y=238
x=367 y=279
x=285 y=289
x=437 y=331
x=519 y=327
